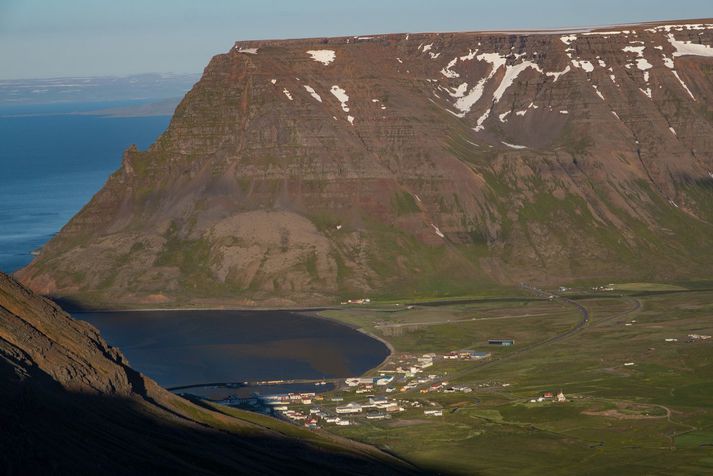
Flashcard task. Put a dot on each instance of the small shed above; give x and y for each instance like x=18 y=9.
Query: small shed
x=501 y=342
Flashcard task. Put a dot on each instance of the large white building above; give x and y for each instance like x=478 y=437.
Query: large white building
x=350 y=408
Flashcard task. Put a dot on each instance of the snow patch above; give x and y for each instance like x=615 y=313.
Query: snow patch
x=557 y=74
x=596 y=90
x=530 y=106
x=646 y=91
x=616 y=115
x=685 y=48
x=313 y=93
x=437 y=231
x=680 y=27
x=399 y=60
x=643 y=64
x=322 y=56
x=503 y=116
x=511 y=74
x=514 y=146
x=273 y=81
x=471 y=54
x=465 y=103
x=350 y=119
x=639 y=50
x=249 y=51
x=564 y=112
x=287 y=93
x=583 y=64
x=673 y=131
x=675 y=73
x=568 y=39
x=479 y=123
x=341 y=96
x=458 y=92
x=427 y=47
x=448 y=72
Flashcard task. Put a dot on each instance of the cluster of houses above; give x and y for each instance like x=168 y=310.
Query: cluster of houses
x=466 y=355
x=376 y=408
x=691 y=338
x=304 y=398
x=443 y=387
x=608 y=287
x=311 y=421
x=381 y=380
x=410 y=372
x=550 y=397
x=380 y=404
x=357 y=301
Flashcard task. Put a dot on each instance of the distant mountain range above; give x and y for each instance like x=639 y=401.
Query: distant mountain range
x=308 y=171
x=18 y=96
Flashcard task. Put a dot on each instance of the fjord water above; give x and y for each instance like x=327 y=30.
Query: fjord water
x=179 y=348
x=51 y=165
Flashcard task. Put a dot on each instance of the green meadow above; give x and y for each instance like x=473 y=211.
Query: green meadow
x=652 y=416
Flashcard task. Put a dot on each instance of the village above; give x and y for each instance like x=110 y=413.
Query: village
x=375 y=398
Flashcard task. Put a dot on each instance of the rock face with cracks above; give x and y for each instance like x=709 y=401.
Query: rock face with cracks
x=308 y=171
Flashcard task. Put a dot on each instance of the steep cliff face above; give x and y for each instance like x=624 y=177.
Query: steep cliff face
x=303 y=171
x=70 y=404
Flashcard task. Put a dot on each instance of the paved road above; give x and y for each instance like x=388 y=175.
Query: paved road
x=583 y=322
x=456 y=321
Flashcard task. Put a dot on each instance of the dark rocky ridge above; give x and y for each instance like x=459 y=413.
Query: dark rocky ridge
x=70 y=404
x=258 y=192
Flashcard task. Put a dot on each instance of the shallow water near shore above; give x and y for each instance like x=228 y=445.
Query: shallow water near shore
x=179 y=348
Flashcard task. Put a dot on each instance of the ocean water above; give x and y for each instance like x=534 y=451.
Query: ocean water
x=51 y=165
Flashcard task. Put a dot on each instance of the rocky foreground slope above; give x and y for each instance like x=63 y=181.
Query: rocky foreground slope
x=70 y=404
x=304 y=171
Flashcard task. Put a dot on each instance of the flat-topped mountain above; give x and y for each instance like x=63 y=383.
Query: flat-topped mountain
x=71 y=404
x=306 y=171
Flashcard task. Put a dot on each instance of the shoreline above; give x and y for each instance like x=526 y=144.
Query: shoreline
x=309 y=312
x=184 y=309
x=389 y=347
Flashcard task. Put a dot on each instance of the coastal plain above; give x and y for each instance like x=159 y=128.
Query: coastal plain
x=638 y=387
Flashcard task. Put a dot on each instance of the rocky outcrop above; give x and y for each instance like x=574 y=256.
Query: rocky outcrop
x=70 y=404
x=305 y=171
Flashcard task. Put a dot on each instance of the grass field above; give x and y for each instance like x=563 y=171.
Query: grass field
x=653 y=416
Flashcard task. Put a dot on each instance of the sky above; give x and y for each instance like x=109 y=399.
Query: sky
x=53 y=38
